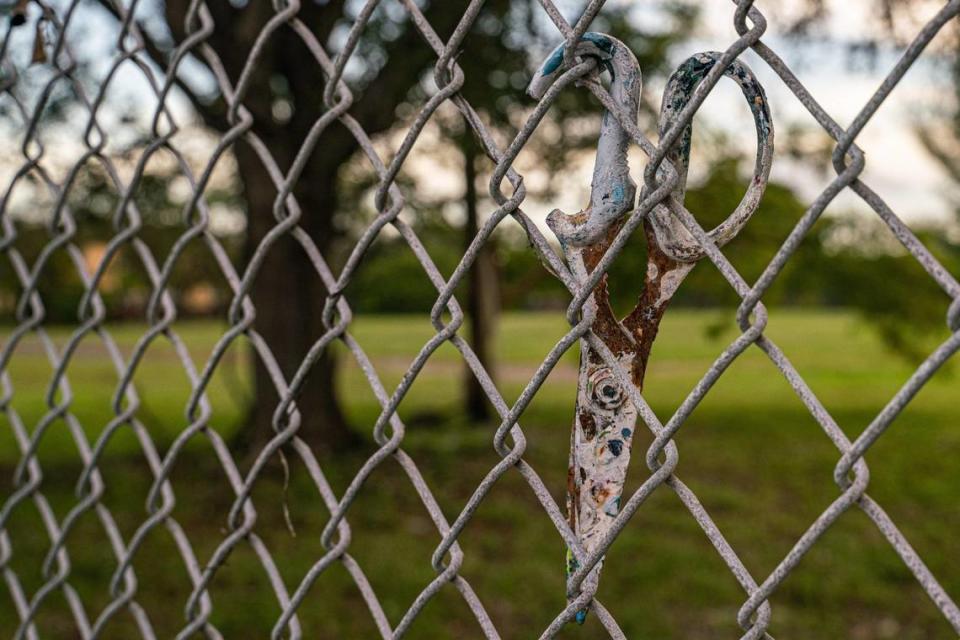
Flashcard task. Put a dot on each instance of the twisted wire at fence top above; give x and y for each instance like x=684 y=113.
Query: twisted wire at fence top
x=509 y=441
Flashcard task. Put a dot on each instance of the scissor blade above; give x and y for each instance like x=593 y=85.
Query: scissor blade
x=599 y=454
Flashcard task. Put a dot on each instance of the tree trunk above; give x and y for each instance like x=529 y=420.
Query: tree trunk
x=288 y=296
x=482 y=295
x=287 y=293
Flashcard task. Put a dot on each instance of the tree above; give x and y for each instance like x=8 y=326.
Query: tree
x=286 y=100
x=287 y=295
x=495 y=88
x=890 y=289
x=393 y=59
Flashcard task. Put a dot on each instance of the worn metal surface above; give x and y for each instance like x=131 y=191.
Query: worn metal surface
x=604 y=421
x=659 y=209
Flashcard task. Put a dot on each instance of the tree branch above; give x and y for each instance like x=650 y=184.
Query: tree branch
x=213 y=114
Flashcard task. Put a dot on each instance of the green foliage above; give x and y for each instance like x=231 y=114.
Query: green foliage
x=756 y=244
x=892 y=291
x=528 y=285
x=750 y=252
x=391 y=277
x=126 y=286
x=847 y=261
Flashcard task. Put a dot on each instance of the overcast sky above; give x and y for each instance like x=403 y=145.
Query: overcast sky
x=898 y=167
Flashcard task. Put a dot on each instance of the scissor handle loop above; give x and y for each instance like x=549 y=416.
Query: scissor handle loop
x=673 y=238
x=612 y=190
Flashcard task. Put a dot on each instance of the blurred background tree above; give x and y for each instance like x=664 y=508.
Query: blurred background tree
x=847 y=261
x=868 y=270
x=391 y=78
x=500 y=100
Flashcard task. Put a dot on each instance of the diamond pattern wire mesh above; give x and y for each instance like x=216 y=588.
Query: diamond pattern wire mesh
x=851 y=473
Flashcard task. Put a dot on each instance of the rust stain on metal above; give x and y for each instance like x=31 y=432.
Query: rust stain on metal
x=588 y=425
x=604 y=422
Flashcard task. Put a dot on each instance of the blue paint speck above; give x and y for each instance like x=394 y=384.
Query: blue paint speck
x=626 y=433
x=553 y=62
x=556 y=58
x=612 y=508
x=581 y=616
x=602 y=41
x=615 y=446
x=618 y=192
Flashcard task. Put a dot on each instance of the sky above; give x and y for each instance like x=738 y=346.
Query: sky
x=898 y=167
x=904 y=174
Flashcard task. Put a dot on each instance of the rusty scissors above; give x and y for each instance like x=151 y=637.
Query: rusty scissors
x=604 y=418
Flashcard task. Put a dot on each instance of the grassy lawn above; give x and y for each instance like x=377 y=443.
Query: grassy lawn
x=759 y=463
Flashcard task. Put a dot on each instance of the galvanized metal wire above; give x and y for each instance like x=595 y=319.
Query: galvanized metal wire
x=509 y=440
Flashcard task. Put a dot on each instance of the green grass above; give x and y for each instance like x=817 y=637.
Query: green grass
x=751 y=451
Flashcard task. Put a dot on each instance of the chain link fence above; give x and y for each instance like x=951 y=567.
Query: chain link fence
x=55 y=51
